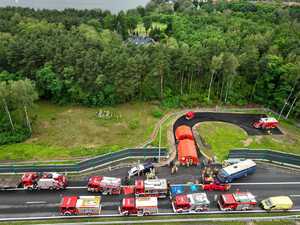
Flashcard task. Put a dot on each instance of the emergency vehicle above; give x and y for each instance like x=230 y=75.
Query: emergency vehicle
x=235 y=171
x=237 y=201
x=139 y=206
x=50 y=181
x=190 y=115
x=266 y=123
x=179 y=189
x=82 y=205
x=105 y=185
x=195 y=202
x=151 y=187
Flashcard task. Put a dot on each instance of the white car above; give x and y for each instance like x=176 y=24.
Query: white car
x=140 y=168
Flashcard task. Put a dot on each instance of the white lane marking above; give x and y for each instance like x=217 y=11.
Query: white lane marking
x=295 y=195
x=267 y=183
x=37 y=202
x=233 y=184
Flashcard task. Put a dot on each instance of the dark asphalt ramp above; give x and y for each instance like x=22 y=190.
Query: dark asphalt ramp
x=242 y=120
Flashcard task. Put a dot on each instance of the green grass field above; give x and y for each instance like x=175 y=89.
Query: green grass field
x=68 y=132
x=224 y=136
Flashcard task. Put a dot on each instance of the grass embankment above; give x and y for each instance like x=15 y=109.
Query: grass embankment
x=116 y=219
x=224 y=136
x=68 y=132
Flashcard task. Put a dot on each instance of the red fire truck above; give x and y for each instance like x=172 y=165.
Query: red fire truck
x=151 y=187
x=195 y=202
x=82 y=205
x=139 y=206
x=266 y=123
x=51 y=181
x=105 y=185
x=237 y=201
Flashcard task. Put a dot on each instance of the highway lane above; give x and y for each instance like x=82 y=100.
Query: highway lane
x=29 y=203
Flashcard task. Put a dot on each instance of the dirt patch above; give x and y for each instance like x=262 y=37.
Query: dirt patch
x=258 y=139
x=247 y=142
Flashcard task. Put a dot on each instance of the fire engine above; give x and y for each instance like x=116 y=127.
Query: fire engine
x=195 y=202
x=82 y=205
x=51 y=181
x=139 y=206
x=105 y=185
x=237 y=201
x=266 y=123
x=190 y=115
x=151 y=187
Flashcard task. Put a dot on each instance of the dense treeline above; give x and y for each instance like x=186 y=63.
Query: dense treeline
x=231 y=53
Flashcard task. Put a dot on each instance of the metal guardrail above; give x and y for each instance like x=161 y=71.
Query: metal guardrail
x=89 y=163
x=283 y=158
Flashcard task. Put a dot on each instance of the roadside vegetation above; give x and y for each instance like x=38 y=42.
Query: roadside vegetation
x=222 y=137
x=254 y=215
x=66 y=132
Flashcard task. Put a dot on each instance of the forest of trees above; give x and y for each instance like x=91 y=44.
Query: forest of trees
x=225 y=53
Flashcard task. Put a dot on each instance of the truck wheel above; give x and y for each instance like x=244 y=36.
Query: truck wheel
x=67 y=214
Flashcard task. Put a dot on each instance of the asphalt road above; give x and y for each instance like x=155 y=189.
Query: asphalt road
x=242 y=120
x=267 y=181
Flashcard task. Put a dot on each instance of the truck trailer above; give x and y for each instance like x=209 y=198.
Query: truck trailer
x=45 y=181
x=139 y=206
x=105 y=185
x=237 y=201
x=195 y=202
x=82 y=205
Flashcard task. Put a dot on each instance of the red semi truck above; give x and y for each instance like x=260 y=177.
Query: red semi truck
x=82 y=205
x=105 y=185
x=266 y=123
x=148 y=188
x=46 y=181
x=195 y=202
x=141 y=206
x=237 y=201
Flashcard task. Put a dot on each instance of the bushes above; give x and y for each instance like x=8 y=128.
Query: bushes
x=13 y=137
